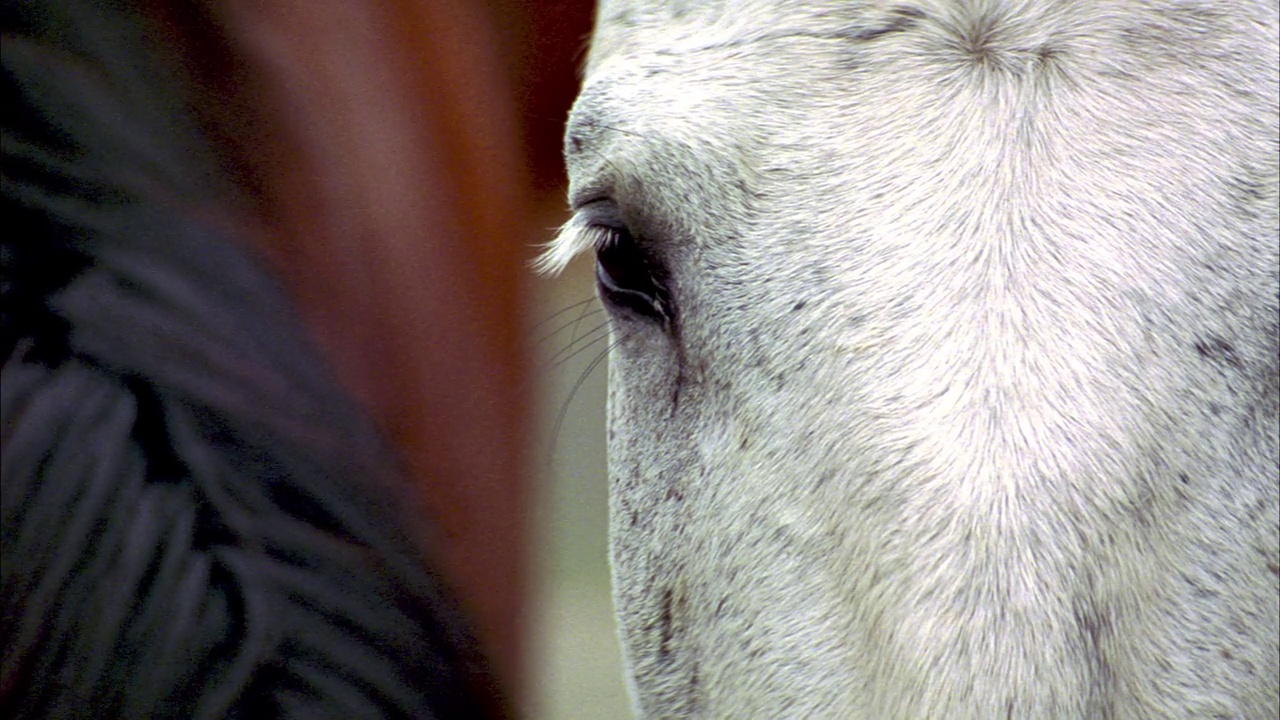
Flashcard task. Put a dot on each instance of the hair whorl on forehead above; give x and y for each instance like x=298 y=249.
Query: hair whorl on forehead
x=196 y=521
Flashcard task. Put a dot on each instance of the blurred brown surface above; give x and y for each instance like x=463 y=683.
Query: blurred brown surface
x=395 y=151
x=553 y=37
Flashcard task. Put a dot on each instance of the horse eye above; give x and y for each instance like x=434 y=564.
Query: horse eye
x=629 y=278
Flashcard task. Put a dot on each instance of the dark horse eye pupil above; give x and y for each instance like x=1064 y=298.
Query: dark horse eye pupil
x=626 y=277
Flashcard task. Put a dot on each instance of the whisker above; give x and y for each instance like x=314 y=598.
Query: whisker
x=574 y=336
x=592 y=337
x=597 y=338
x=560 y=312
x=564 y=409
x=572 y=323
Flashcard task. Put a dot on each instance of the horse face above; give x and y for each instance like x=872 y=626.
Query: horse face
x=944 y=367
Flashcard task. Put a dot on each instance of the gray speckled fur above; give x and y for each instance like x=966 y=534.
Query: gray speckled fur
x=969 y=409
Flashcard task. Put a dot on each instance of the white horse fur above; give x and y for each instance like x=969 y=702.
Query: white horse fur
x=960 y=398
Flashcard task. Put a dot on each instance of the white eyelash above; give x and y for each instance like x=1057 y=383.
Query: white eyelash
x=575 y=237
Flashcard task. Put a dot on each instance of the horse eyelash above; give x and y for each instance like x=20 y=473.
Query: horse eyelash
x=575 y=237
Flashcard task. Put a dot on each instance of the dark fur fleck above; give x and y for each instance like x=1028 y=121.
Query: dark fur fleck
x=1216 y=350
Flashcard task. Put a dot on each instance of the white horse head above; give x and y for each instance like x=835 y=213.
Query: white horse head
x=945 y=375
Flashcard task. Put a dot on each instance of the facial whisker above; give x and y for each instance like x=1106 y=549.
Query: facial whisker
x=570 y=324
x=592 y=336
x=564 y=409
x=562 y=311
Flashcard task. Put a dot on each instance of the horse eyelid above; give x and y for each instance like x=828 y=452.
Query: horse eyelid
x=629 y=278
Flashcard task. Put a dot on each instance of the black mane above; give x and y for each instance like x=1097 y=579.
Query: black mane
x=196 y=521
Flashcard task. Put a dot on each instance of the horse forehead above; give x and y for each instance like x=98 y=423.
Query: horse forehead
x=696 y=99
x=709 y=100
x=700 y=65
x=714 y=83
x=981 y=29
x=636 y=28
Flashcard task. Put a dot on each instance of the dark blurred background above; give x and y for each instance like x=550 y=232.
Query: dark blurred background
x=404 y=159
